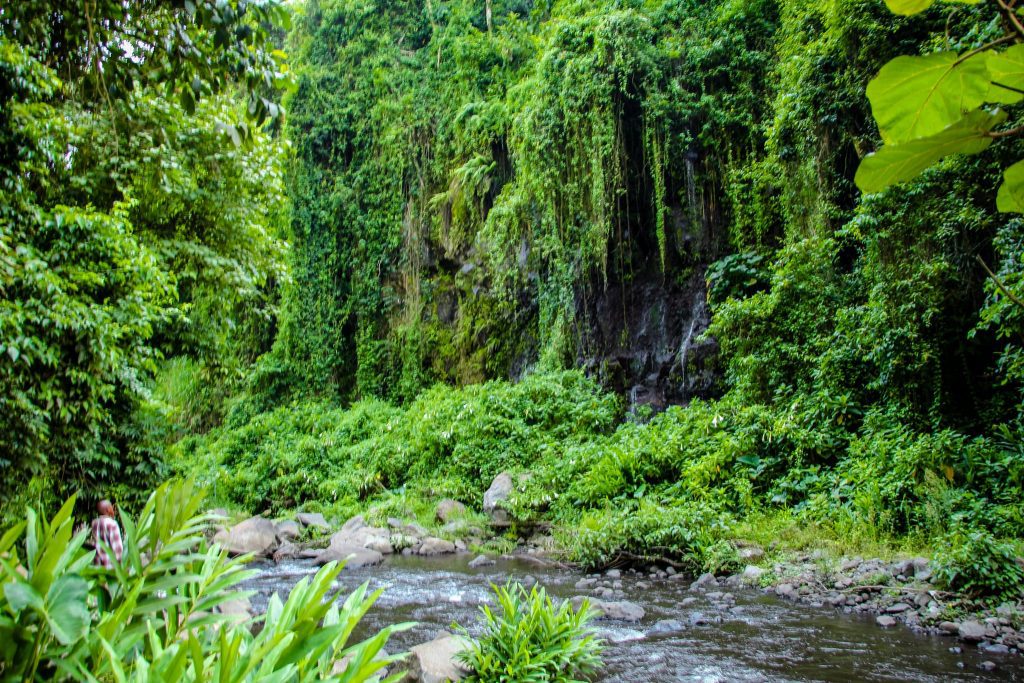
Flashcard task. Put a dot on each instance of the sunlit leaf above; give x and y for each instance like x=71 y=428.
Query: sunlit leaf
x=916 y=97
x=900 y=162
x=1006 y=70
x=1010 y=198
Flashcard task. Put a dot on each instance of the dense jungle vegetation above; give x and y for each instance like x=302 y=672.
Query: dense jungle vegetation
x=428 y=248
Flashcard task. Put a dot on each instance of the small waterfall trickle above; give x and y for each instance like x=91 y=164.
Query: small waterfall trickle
x=698 y=319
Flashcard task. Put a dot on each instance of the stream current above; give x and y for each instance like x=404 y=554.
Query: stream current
x=761 y=638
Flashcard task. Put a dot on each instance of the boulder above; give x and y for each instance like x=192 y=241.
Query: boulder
x=498 y=492
x=288 y=530
x=313 y=519
x=449 y=509
x=435 y=662
x=255 y=535
x=705 y=581
x=239 y=609
x=435 y=546
x=342 y=664
x=667 y=627
x=286 y=551
x=752 y=574
x=481 y=561
x=885 y=621
x=749 y=552
x=354 y=556
x=355 y=532
x=971 y=631
x=620 y=611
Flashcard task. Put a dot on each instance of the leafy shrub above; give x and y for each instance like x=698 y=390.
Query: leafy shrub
x=529 y=639
x=977 y=563
x=648 y=531
x=153 y=616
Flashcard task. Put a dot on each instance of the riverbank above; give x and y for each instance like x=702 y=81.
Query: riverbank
x=892 y=591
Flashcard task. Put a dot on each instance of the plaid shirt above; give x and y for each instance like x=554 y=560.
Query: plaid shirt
x=106 y=534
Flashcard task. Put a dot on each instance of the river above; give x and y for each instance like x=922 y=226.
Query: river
x=760 y=638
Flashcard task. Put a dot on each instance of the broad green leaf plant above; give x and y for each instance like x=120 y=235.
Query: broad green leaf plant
x=156 y=616
x=932 y=106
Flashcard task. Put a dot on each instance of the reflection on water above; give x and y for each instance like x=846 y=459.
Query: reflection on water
x=760 y=639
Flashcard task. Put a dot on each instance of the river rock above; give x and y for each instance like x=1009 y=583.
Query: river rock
x=313 y=519
x=449 y=509
x=498 y=492
x=354 y=556
x=435 y=546
x=586 y=584
x=971 y=631
x=286 y=551
x=705 y=581
x=621 y=611
x=256 y=535
x=749 y=552
x=288 y=530
x=481 y=561
x=898 y=608
x=342 y=664
x=239 y=609
x=752 y=574
x=435 y=662
x=885 y=621
x=666 y=627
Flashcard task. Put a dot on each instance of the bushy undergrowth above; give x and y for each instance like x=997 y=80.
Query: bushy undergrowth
x=670 y=488
x=528 y=639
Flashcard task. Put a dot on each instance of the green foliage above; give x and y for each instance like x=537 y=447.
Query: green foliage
x=931 y=106
x=975 y=562
x=528 y=638
x=131 y=228
x=154 y=616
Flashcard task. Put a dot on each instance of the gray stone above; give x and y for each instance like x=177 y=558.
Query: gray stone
x=987 y=665
x=786 y=590
x=613 y=573
x=436 y=662
x=885 y=621
x=435 y=546
x=449 y=509
x=239 y=609
x=498 y=492
x=752 y=574
x=481 y=561
x=686 y=602
x=994 y=648
x=528 y=582
x=621 y=611
x=705 y=581
x=971 y=631
x=354 y=556
x=287 y=551
x=342 y=664
x=256 y=535
x=666 y=626
x=949 y=628
x=379 y=543
x=750 y=553
x=288 y=530
x=585 y=584
x=313 y=519
x=898 y=608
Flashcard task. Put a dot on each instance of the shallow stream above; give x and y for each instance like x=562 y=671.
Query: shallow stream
x=761 y=638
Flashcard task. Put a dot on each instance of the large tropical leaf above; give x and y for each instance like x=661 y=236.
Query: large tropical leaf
x=908 y=7
x=1011 y=192
x=900 y=162
x=1006 y=71
x=917 y=97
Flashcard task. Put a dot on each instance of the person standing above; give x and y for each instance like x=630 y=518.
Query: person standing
x=106 y=535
